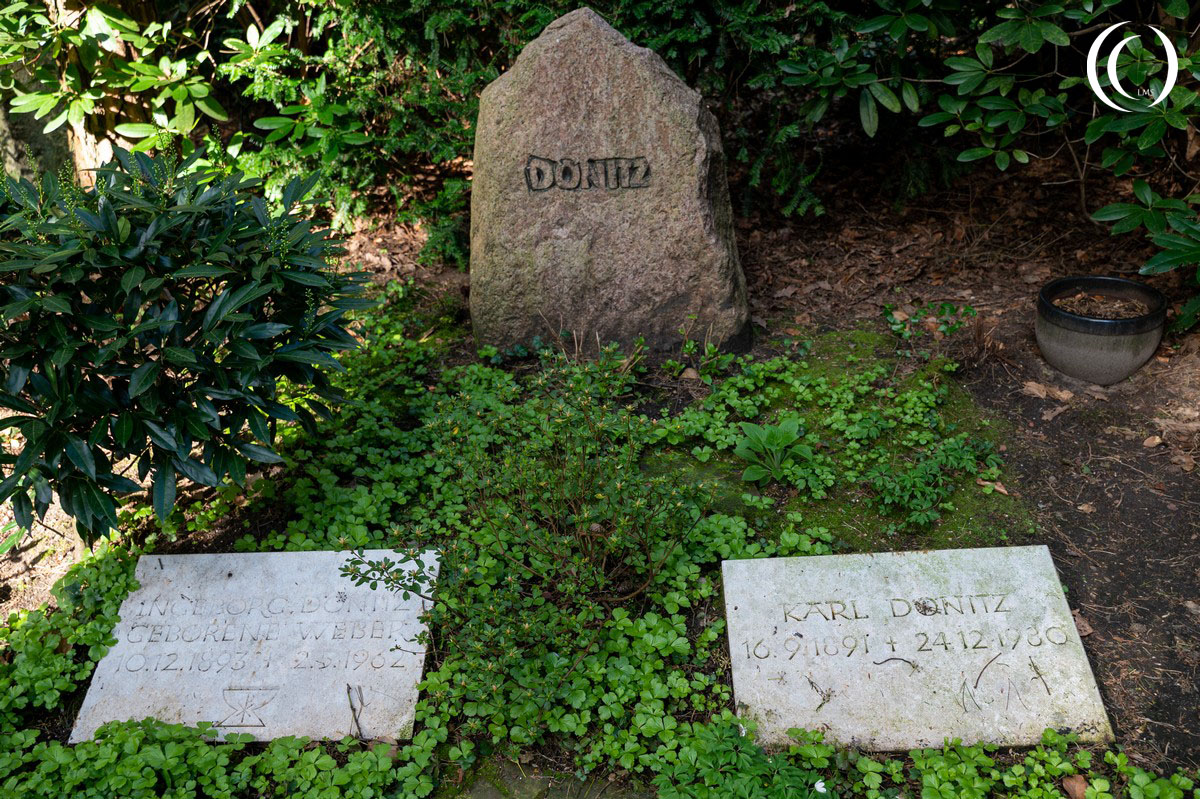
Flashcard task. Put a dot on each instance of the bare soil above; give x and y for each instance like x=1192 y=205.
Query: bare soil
x=1100 y=306
x=29 y=570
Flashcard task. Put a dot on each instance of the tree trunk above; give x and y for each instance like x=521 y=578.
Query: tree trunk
x=10 y=153
x=91 y=140
x=89 y=152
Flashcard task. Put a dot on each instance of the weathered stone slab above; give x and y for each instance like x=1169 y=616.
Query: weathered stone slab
x=898 y=650
x=599 y=202
x=269 y=644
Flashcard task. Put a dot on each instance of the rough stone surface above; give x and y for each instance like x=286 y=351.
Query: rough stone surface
x=599 y=203
x=893 y=651
x=269 y=644
x=503 y=779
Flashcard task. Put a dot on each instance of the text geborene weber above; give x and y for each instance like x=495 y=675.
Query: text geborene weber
x=338 y=631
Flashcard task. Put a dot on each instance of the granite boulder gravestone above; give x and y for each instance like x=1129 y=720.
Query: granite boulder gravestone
x=599 y=202
x=899 y=650
x=269 y=644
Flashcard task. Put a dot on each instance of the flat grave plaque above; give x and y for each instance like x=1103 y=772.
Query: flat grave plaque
x=269 y=644
x=898 y=650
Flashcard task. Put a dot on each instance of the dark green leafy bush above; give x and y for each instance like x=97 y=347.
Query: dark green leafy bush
x=379 y=95
x=69 y=72
x=149 y=323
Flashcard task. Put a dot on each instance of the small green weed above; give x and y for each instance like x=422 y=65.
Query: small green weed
x=707 y=359
x=771 y=450
x=932 y=322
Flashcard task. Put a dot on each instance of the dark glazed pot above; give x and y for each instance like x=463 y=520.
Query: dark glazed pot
x=1101 y=351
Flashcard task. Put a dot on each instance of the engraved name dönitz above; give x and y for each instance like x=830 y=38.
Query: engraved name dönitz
x=568 y=174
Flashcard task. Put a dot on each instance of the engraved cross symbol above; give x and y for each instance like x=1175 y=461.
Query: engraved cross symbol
x=246 y=702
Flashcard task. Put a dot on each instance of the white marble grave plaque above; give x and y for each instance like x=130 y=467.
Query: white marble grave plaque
x=269 y=644
x=897 y=650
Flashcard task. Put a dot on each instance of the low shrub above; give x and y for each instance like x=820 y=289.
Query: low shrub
x=149 y=322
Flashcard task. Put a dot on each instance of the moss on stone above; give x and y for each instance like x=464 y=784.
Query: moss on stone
x=721 y=475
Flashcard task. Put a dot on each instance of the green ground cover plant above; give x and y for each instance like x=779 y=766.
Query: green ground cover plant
x=577 y=608
x=772 y=450
x=837 y=429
